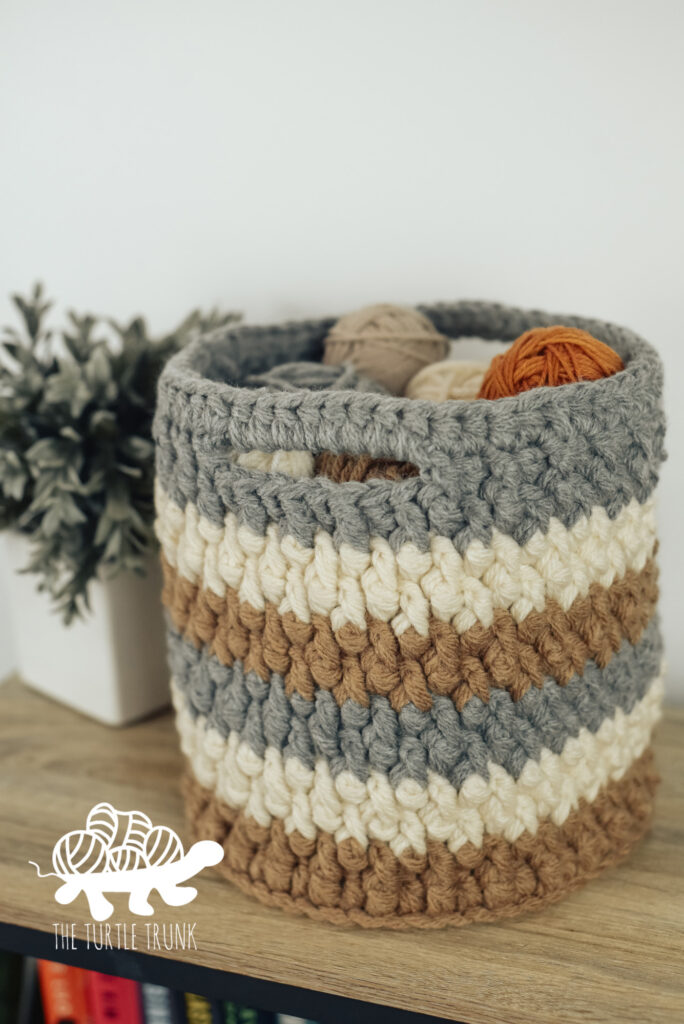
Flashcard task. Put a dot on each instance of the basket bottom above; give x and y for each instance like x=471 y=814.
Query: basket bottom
x=345 y=884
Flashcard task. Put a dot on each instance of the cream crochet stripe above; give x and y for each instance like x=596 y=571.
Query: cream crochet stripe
x=405 y=587
x=308 y=800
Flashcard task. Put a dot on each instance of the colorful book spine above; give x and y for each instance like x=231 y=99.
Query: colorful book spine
x=62 y=993
x=10 y=985
x=288 y=1018
x=162 y=1005
x=30 y=1009
x=113 y=1000
x=199 y=1010
x=235 y=1013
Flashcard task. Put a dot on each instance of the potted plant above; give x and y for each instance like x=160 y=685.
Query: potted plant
x=76 y=497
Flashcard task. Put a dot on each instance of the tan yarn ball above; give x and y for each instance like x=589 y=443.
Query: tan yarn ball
x=385 y=342
x=447 y=380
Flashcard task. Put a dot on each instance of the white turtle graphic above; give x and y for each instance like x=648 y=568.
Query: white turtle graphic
x=122 y=851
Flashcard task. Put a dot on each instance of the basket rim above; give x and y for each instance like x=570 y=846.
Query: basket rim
x=514 y=464
x=638 y=355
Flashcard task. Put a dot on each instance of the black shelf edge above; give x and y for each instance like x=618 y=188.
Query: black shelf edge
x=208 y=981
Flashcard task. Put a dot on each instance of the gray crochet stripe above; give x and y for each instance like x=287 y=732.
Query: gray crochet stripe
x=510 y=464
x=409 y=743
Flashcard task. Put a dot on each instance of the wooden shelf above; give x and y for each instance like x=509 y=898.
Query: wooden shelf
x=609 y=953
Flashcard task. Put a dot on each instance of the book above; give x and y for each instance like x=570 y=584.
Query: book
x=200 y=1010
x=288 y=1018
x=62 y=993
x=30 y=1010
x=162 y=1005
x=235 y=1013
x=10 y=986
x=113 y=1000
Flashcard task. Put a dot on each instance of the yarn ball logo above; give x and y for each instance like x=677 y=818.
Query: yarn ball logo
x=122 y=851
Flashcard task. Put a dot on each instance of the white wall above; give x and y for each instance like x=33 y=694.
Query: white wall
x=310 y=156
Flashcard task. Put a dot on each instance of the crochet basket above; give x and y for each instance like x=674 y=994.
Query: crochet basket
x=421 y=701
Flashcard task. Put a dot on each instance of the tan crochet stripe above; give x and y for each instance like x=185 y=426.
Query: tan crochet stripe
x=359 y=468
x=410 y=668
x=347 y=884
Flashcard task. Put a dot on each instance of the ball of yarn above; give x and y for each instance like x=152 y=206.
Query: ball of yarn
x=80 y=852
x=125 y=828
x=546 y=357
x=385 y=342
x=125 y=858
x=135 y=825
x=447 y=379
x=162 y=846
x=345 y=468
x=294 y=463
x=103 y=819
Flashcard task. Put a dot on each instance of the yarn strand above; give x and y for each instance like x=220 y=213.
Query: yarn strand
x=48 y=874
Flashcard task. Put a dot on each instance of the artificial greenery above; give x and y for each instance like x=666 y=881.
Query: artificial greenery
x=76 y=454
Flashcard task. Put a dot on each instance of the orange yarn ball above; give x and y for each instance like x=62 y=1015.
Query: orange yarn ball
x=546 y=357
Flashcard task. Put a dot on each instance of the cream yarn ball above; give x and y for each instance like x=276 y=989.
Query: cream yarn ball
x=447 y=379
x=291 y=463
x=385 y=342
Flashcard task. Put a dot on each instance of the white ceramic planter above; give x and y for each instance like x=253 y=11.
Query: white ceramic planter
x=110 y=665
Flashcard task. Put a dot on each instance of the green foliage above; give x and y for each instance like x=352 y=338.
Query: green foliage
x=76 y=454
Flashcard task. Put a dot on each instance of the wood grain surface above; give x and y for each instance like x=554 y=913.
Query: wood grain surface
x=609 y=953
